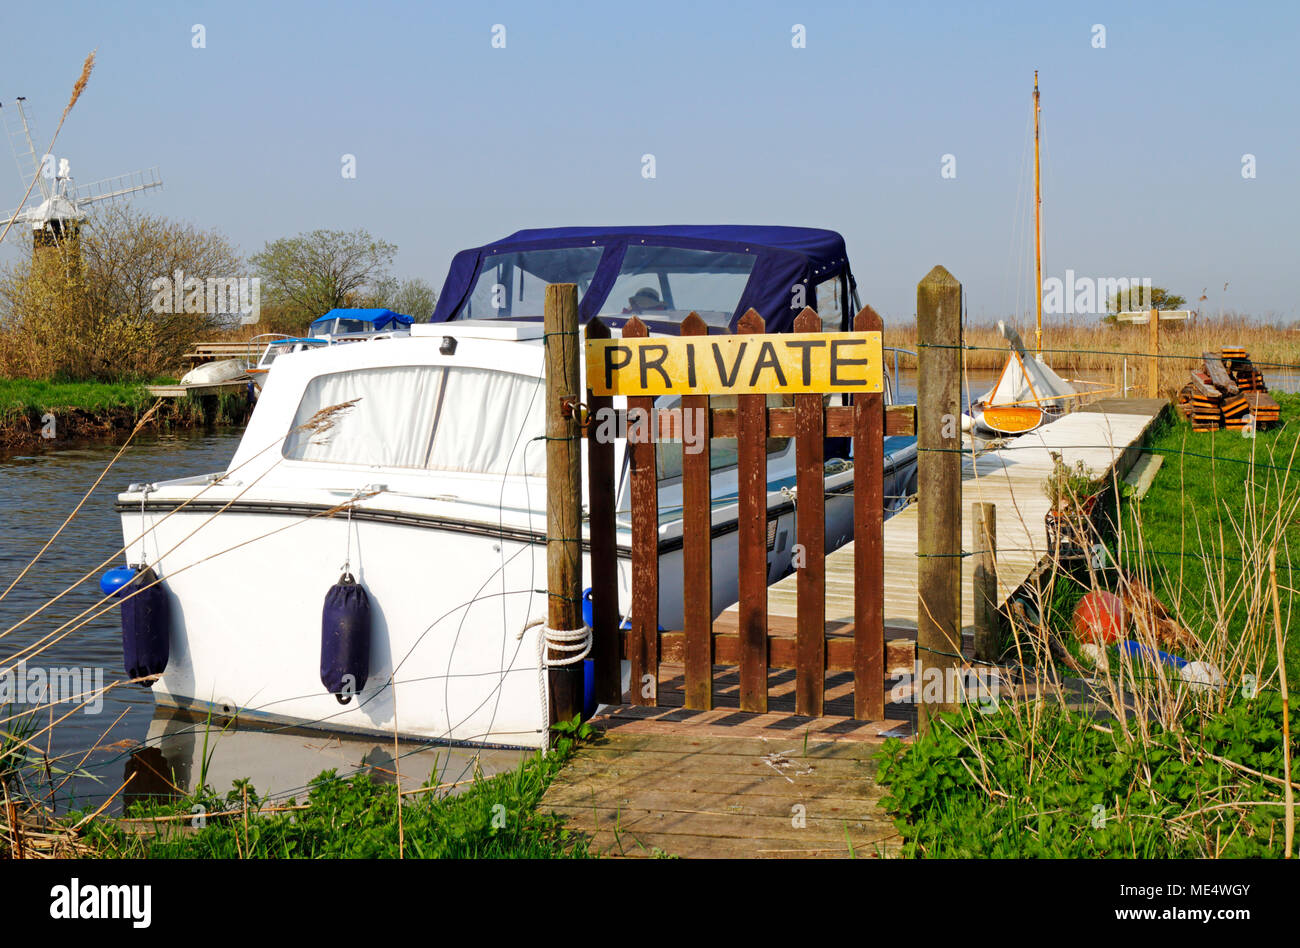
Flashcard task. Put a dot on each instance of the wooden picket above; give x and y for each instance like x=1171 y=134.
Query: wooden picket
x=751 y=436
x=752 y=422
x=643 y=642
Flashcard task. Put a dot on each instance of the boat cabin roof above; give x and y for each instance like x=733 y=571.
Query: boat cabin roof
x=657 y=273
x=359 y=320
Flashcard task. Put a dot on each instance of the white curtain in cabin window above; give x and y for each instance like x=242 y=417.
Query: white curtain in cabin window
x=489 y=420
x=390 y=425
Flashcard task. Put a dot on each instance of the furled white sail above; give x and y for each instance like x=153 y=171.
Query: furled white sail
x=1026 y=379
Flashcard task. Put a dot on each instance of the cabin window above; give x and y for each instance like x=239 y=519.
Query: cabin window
x=830 y=304
x=667 y=283
x=513 y=285
x=428 y=417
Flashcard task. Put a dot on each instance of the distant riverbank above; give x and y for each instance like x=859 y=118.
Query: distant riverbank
x=38 y=412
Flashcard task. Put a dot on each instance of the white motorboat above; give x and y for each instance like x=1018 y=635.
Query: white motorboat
x=417 y=464
x=281 y=345
x=359 y=325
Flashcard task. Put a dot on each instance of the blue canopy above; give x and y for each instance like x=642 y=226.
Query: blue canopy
x=380 y=318
x=758 y=267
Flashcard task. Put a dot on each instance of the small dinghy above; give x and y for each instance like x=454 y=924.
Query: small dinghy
x=227 y=370
x=1028 y=394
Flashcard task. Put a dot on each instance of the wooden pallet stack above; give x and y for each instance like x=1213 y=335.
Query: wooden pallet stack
x=1227 y=392
x=1242 y=370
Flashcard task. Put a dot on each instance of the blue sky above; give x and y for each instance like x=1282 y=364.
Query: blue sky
x=458 y=143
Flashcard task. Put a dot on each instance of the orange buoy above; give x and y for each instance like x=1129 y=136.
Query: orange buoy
x=1099 y=617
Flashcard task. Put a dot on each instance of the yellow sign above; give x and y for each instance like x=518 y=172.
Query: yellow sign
x=779 y=363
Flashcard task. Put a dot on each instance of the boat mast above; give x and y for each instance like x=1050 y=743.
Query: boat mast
x=1038 y=231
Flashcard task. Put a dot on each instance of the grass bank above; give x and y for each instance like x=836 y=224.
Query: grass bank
x=1048 y=782
x=34 y=411
x=496 y=817
x=1201 y=534
x=1137 y=756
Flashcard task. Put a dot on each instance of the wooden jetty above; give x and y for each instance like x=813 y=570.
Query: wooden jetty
x=753 y=734
x=725 y=783
x=202 y=388
x=1107 y=437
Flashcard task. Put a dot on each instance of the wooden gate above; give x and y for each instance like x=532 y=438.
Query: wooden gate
x=809 y=421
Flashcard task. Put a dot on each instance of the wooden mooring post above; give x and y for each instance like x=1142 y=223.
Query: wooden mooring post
x=984 y=531
x=1153 y=377
x=938 y=423
x=563 y=491
x=606 y=649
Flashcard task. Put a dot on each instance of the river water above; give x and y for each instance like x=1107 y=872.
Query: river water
x=37 y=492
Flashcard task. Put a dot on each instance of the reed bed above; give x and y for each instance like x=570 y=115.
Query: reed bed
x=1089 y=351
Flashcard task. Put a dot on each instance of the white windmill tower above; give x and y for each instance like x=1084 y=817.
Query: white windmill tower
x=57 y=219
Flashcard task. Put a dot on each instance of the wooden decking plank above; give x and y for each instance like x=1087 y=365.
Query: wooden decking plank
x=641 y=845
x=793 y=746
x=820 y=810
x=617 y=764
x=728 y=825
x=598 y=781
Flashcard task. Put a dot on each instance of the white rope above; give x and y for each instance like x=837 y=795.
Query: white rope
x=576 y=642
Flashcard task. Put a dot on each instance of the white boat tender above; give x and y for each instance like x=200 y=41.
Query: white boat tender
x=211 y=373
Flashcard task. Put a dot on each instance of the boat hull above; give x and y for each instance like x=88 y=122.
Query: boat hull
x=455 y=655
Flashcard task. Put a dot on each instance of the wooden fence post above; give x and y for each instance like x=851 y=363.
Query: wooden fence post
x=1153 y=381
x=606 y=651
x=697 y=542
x=751 y=471
x=810 y=530
x=938 y=422
x=868 y=544
x=984 y=533
x=643 y=637
x=563 y=490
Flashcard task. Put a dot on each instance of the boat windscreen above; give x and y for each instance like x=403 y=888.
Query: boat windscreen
x=342 y=325
x=667 y=283
x=513 y=285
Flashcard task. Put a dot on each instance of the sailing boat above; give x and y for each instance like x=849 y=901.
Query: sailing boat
x=1028 y=394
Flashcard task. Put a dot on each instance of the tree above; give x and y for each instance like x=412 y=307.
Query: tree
x=412 y=297
x=88 y=308
x=306 y=276
x=1161 y=299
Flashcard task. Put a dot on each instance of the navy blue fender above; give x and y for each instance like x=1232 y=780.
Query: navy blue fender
x=345 y=639
x=146 y=641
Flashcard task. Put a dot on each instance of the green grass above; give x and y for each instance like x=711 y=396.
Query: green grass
x=1188 y=515
x=24 y=396
x=494 y=818
x=998 y=786
x=105 y=402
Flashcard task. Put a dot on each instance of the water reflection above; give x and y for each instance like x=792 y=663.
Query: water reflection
x=182 y=751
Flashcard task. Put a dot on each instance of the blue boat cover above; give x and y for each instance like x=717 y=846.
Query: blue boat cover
x=784 y=258
x=382 y=318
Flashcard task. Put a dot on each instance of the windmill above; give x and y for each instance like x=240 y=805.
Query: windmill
x=58 y=217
